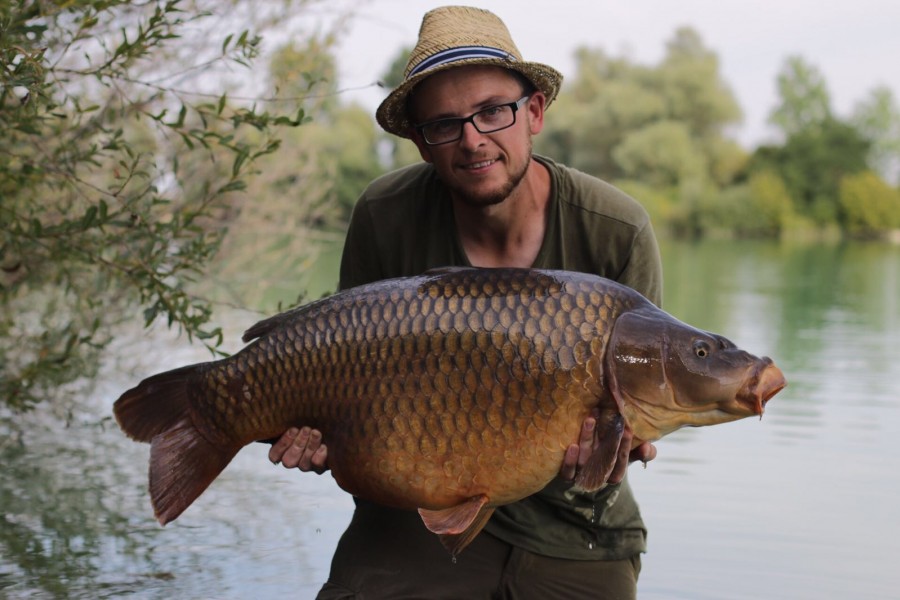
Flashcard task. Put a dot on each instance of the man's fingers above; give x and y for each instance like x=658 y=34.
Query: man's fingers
x=586 y=442
x=570 y=462
x=307 y=447
x=300 y=448
x=644 y=453
x=293 y=454
x=276 y=452
x=320 y=459
x=577 y=454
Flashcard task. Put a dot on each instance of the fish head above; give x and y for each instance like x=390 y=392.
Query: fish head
x=665 y=374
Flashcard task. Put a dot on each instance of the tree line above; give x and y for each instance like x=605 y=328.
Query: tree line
x=135 y=165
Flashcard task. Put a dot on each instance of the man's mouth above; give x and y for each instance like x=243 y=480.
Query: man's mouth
x=479 y=165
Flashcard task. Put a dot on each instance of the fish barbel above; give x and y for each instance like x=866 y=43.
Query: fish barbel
x=453 y=392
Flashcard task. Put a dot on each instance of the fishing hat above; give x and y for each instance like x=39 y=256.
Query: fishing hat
x=453 y=36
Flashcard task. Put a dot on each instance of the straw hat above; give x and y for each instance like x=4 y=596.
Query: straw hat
x=452 y=36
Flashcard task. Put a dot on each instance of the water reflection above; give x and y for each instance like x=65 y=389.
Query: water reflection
x=800 y=505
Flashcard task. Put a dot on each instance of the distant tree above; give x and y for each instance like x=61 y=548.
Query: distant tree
x=769 y=206
x=812 y=163
x=103 y=209
x=693 y=88
x=660 y=124
x=304 y=73
x=396 y=152
x=393 y=76
x=662 y=154
x=877 y=117
x=805 y=101
x=869 y=206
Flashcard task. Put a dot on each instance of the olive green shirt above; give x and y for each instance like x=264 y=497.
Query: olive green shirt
x=403 y=225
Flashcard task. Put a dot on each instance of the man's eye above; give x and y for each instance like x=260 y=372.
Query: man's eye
x=492 y=114
x=447 y=126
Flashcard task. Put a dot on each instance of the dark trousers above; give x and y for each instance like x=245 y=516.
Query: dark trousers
x=389 y=554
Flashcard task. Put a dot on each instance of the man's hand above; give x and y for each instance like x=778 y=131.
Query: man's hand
x=577 y=454
x=301 y=449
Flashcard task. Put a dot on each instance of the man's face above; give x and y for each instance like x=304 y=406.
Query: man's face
x=480 y=168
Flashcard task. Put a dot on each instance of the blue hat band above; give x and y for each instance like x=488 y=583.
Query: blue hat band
x=457 y=54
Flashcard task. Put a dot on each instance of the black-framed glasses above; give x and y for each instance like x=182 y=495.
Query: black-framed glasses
x=486 y=120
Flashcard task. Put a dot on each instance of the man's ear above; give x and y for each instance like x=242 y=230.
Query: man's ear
x=535 y=108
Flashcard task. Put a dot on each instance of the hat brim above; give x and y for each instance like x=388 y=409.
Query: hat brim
x=392 y=112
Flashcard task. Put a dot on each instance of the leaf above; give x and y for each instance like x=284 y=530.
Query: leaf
x=181 y=115
x=89 y=218
x=239 y=160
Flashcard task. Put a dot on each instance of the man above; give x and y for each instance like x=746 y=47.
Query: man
x=471 y=106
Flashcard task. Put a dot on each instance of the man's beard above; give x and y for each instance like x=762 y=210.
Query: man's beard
x=497 y=196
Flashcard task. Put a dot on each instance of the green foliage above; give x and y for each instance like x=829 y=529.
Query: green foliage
x=398 y=152
x=869 y=206
x=770 y=206
x=877 y=118
x=805 y=100
x=663 y=153
x=761 y=207
x=393 y=76
x=98 y=213
x=812 y=163
x=660 y=124
x=695 y=92
x=306 y=74
x=658 y=202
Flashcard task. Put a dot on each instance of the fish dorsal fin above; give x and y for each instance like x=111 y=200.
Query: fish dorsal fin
x=458 y=525
x=265 y=326
x=608 y=433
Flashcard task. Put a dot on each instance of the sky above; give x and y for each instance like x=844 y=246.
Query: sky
x=856 y=45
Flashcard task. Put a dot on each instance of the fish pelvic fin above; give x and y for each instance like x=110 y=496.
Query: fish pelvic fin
x=458 y=525
x=607 y=437
x=182 y=462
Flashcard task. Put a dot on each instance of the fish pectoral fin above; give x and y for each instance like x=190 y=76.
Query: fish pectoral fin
x=458 y=525
x=599 y=465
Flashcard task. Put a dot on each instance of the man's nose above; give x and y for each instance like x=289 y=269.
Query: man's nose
x=471 y=137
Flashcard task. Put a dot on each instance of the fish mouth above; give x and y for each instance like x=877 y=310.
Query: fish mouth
x=765 y=381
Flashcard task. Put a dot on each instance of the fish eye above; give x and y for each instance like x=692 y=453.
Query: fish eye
x=701 y=349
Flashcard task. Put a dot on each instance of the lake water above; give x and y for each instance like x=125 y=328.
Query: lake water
x=802 y=504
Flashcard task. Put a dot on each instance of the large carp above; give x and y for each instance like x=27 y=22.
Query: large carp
x=452 y=392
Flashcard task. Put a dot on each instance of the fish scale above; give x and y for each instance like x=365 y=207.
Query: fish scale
x=462 y=327
x=452 y=392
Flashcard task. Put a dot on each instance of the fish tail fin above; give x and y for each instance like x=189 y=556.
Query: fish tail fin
x=156 y=404
x=182 y=461
x=182 y=465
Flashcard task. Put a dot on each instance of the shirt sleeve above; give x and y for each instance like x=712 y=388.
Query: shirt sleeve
x=359 y=261
x=643 y=271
